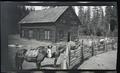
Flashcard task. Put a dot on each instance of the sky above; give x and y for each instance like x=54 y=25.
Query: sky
x=76 y=8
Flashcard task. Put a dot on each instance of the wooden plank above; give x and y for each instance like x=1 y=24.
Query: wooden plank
x=74 y=62
x=75 y=57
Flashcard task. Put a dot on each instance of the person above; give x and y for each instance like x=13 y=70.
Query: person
x=49 y=51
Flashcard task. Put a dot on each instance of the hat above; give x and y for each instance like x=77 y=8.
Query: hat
x=49 y=46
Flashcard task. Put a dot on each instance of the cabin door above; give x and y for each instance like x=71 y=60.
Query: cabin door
x=61 y=35
x=30 y=34
x=69 y=37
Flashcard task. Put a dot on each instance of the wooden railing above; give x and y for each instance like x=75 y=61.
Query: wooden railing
x=83 y=52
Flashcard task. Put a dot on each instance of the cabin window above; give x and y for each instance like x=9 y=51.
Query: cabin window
x=47 y=35
x=61 y=35
x=23 y=33
x=30 y=33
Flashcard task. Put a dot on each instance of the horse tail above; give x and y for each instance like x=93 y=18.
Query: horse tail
x=19 y=57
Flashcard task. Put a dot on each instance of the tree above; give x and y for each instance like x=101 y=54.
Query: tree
x=101 y=22
x=14 y=13
x=87 y=19
x=108 y=16
x=115 y=21
x=81 y=18
x=95 y=19
x=81 y=14
x=111 y=19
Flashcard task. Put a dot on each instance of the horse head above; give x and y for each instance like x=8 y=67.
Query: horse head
x=21 y=52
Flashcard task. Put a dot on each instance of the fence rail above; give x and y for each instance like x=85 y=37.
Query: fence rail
x=84 y=52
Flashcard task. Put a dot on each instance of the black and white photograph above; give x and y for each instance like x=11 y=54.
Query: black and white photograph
x=61 y=37
x=64 y=72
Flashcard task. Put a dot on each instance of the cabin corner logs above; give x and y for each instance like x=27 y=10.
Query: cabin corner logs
x=83 y=52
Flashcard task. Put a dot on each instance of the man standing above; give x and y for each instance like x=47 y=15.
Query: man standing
x=49 y=51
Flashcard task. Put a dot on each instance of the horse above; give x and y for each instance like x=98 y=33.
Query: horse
x=42 y=54
x=19 y=58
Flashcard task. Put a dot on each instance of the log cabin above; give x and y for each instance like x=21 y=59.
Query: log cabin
x=52 y=24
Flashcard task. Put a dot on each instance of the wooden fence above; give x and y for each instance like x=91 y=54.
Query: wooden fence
x=83 y=52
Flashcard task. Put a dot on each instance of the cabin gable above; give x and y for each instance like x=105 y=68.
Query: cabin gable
x=67 y=22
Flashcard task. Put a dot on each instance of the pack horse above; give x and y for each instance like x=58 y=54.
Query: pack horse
x=36 y=55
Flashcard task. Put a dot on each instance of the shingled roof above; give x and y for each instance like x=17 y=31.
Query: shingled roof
x=45 y=15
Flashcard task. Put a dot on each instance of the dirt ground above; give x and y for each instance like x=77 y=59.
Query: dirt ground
x=105 y=61
x=48 y=62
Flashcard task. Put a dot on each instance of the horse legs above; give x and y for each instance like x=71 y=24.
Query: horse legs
x=55 y=61
x=19 y=62
x=17 y=66
x=20 y=67
x=19 y=58
x=22 y=60
x=38 y=64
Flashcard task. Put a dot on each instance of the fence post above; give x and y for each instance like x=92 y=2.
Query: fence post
x=113 y=48
x=105 y=46
x=98 y=47
x=66 y=62
x=82 y=54
x=68 y=54
x=92 y=48
x=63 y=65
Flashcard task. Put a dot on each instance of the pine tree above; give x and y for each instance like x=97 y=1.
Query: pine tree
x=108 y=16
x=81 y=14
x=100 y=25
x=87 y=20
x=113 y=21
x=95 y=19
x=81 y=18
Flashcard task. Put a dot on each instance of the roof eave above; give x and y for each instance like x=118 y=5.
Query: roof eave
x=35 y=22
